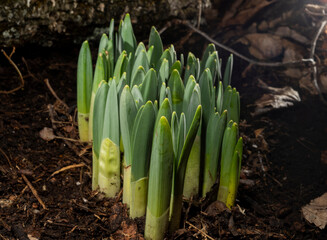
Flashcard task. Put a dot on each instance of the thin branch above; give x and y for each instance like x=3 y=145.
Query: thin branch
x=19 y=73
x=29 y=184
x=68 y=139
x=54 y=93
x=67 y=168
x=199 y=14
x=69 y=144
x=316 y=10
x=12 y=52
x=309 y=60
x=314 y=66
x=8 y=159
x=259 y=63
x=199 y=230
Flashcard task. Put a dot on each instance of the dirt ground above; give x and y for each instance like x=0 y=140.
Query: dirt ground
x=282 y=166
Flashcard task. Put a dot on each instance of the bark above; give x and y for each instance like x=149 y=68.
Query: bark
x=48 y=22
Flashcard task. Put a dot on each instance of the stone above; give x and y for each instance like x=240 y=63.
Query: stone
x=56 y=21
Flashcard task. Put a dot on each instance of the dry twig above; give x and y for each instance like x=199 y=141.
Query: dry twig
x=15 y=66
x=259 y=63
x=69 y=144
x=54 y=93
x=67 y=168
x=5 y=225
x=2 y=237
x=8 y=159
x=314 y=66
x=68 y=139
x=199 y=230
x=34 y=192
x=119 y=196
x=311 y=61
x=199 y=14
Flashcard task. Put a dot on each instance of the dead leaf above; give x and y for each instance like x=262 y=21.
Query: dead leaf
x=26 y=172
x=287 y=32
x=216 y=208
x=129 y=231
x=248 y=9
x=277 y=98
x=68 y=128
x=323 y=82
x=263 y=46
x=324 y=157
x=306 y=83
x=231 y=226
x=316 y=211
x=247 y=182
x=258 y=132
x=47 y=134
x=292 y=72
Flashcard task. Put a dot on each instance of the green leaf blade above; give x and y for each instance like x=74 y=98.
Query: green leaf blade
x=84 y=88
x=160 y=180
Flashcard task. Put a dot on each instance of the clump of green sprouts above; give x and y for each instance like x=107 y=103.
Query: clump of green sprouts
x=164 y=120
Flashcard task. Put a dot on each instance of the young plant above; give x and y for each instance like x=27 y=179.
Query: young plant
x=231 y=103
x=84 y=84
x=98 y=116
x=99 y=75
x=109 y=158
x=128 y=111
x=182 y=155
x=230 y=165
x=167 y=130
x=228 y=72
x=157 y=50
x=235 y=173
x=214 y=135
x=192 y=174
x=160 y=181
x=142 y=135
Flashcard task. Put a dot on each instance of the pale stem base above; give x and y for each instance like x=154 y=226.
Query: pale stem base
x=155 y=227
x=109 y=168
x=95 y=172
x=127 y=185
x=192 y=173
x=83 y=126
x=139 y=194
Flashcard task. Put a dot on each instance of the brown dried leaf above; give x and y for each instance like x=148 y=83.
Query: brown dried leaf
x=129 y=231
x=216 y=208
x=258 y=132
x=264 y=46
x=306 y=83
x=277 y=98
x=68 y=128
x=324 y=157
x=47 y=134
x=323 y=82
x=316 y=211
x=240 y=11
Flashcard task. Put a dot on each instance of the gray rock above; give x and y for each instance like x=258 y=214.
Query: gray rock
x=56 y=21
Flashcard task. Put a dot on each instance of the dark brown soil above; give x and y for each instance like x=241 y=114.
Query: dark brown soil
x=284 y=162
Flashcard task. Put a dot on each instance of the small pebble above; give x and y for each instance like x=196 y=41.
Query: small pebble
x=36 y=211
